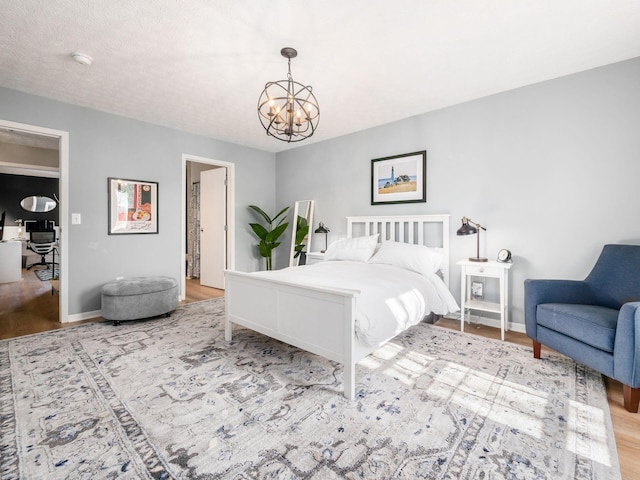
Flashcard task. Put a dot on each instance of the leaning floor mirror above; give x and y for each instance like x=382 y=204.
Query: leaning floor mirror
x=301 y=232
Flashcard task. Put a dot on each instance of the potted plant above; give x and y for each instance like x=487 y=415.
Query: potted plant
x=270 y=233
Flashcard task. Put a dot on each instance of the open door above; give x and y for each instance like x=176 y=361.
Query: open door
x=213 y=226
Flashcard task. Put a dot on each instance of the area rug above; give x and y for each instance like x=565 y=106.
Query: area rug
x=170 y=398
x=45 y=274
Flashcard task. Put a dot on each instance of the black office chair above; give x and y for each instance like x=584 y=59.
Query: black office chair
x=43 y=243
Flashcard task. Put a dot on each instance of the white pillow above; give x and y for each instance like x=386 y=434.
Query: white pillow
x=418 y=258
x=358 y=249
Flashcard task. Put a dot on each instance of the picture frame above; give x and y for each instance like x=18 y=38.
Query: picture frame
x=133 y=206
x=399 y=179
x=477 y=290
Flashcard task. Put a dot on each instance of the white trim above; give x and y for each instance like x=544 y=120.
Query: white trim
x=78 y=317
x=13 y=168
x=489 y=322
x=494 y=322
x=63 y=155
x=231 y=177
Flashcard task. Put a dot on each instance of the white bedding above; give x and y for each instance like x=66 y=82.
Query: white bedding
x=391 y=299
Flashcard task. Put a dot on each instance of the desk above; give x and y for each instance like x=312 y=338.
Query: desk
x=10 y=262
x=487 y=270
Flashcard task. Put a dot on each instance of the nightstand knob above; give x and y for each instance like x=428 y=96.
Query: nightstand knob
x=481 y=270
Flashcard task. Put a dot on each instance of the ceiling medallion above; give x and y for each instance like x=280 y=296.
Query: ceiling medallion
x=287 y=109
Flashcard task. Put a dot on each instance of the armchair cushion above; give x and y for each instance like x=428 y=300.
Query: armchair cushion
x=590 y=324
x=615 y=278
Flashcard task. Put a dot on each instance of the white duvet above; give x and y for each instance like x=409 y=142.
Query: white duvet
x=391 y=299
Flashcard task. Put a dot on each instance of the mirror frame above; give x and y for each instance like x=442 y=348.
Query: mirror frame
x=306 y=207
x=35 y=200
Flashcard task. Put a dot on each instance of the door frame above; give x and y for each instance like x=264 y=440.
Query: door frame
x=231 y=257
x=63 y=189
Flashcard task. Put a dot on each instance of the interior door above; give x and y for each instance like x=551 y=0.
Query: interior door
x=213 y=237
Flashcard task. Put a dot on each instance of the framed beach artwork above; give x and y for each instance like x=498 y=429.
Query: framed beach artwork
x=133 y=206
x=399 y=179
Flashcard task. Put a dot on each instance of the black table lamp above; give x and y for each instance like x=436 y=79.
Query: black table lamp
x=322 y=229
x=470 y=227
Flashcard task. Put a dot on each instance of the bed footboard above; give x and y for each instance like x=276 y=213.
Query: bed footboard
x=316 y=319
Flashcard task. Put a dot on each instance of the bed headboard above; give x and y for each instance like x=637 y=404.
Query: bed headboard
x=429 y=230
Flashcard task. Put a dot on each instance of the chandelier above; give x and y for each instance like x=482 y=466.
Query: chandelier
x=287 y=109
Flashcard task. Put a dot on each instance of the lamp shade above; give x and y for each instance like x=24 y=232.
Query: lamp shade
x=467 y=229
x=321 y=229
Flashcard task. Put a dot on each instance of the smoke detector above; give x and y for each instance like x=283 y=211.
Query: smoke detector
x=82 y=58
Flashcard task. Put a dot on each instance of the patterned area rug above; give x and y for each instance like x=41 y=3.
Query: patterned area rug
x=169 y=398
x=44 y=274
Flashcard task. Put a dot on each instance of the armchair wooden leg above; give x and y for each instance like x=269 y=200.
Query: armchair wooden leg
x=631 y=398
x=536 y=349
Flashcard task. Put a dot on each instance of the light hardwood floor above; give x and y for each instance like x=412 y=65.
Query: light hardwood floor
x=29 y=307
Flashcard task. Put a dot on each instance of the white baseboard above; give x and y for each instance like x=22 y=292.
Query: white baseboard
x=490 y=322
x=78 y=317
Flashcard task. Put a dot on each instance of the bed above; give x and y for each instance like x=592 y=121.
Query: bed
x=322 y=308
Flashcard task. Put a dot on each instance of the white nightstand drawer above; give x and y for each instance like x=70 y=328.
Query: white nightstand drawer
x=484 y=270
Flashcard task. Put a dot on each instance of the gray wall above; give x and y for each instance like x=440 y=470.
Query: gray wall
x=551 y=169
x=103 y=145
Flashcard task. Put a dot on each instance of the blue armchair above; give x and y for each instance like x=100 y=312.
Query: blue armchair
x=596 y=321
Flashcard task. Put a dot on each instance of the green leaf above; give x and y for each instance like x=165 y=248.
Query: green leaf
x=301 y=233
x=262 y=213
x=276 y=232
x=259 y=230
x=280 y=213
x=264 y=249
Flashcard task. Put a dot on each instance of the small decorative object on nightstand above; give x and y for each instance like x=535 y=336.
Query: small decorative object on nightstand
x=504 y=256
x=322 y=228
x=490 y=269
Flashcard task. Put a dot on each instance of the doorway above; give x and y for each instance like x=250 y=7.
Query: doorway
x=208 y=237
x=36 y=133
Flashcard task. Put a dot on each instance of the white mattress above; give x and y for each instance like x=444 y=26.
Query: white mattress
x=391 y=299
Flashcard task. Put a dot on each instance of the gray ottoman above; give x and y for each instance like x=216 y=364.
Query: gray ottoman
x=139 y=297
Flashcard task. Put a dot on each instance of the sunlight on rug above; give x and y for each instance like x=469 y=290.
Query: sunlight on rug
x=170 y=398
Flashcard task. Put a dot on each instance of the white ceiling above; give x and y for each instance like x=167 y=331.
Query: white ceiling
x=200 y=65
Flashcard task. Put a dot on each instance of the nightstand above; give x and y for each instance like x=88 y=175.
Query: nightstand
x=490 y=269
x=315 y=257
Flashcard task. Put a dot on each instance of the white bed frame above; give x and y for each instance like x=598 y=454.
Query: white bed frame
x=318 y=319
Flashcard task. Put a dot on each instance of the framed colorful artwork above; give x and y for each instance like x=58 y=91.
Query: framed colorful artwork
x=133 y=206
